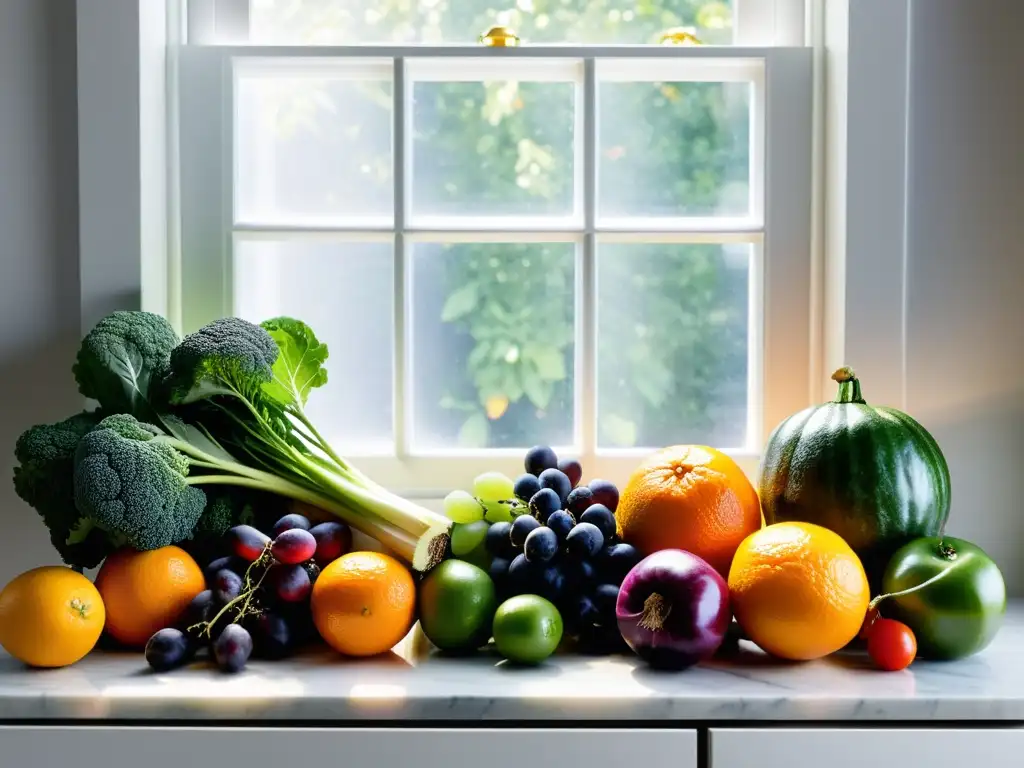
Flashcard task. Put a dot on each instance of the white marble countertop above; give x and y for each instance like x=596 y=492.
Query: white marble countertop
x=414 y=684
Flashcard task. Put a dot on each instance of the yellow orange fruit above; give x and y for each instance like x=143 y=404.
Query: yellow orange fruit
x=50 y=617
x=798 y=590
x=147 y=591
x=689 y=497
x=363 y=603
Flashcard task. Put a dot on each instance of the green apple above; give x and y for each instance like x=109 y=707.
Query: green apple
x=949 y=592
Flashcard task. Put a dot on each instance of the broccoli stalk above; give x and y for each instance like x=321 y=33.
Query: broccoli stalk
x=135 y=479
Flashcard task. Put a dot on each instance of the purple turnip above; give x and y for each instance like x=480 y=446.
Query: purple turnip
x=673 y=609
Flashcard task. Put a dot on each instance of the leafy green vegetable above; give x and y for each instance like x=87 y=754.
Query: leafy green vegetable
x=44 y=479
x=222 y=410
x=120 y=358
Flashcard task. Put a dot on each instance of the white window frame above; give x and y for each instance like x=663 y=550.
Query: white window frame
x=129 y=192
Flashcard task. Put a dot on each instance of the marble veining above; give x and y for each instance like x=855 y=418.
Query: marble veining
x=414 y=683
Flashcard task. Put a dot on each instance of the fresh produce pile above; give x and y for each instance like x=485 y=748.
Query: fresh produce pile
x=190 y=434
x=200 y=450
x=256 y=598
x=547 y=536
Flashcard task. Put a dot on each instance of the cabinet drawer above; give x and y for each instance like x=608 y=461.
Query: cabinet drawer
x=144 y=747
x=860 y=747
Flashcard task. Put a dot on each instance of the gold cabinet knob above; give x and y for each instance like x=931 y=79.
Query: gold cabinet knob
x=679 y=36
x=499 y=37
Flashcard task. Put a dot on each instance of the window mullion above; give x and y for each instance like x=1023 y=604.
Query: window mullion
x=586 y=294
x=402 y=294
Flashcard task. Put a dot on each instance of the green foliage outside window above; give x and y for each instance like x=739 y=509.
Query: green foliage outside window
x=672 y=319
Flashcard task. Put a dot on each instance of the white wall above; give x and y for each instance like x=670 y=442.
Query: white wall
x=965 y=268
x=39 y=310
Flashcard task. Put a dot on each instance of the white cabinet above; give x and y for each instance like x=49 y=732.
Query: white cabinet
x=145 y=747
x=867 y=748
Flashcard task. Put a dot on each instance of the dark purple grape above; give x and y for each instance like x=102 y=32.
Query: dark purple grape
x=197 y=611
x=523 y=575
x=498 y=572
x=581 y=574
x=521 y=528
x=584 y=541
x=579 y=501
x=580 y=613
x=539 y=458
x=333 y=540
x=167 y=649
x=246 y=542
x=605 y=493
x=293 y=546
x=498 y=540
x=551 y=582
x=227 y=585
x=544 y=503
x=525 y=486
x=602 y=517
x=605 y=596
x=616 y=561
x=291 y=583
x=288 y=522
x=556 y=481
x=232 y=648
x=228 y=563
x=572 y=469
x=271 y=636
x=561 y=522
x=541 y=544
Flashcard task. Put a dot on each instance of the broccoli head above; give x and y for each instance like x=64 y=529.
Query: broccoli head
x=43 y=478
x=132 y=483
x=120 y=358
x=226 y=357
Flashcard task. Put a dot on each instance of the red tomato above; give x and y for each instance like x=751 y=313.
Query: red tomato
x=891 y=644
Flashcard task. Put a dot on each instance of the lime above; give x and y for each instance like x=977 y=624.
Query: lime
x=456 y=604
x=527 y=629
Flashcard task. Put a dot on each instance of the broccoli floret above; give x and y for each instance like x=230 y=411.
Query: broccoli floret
x=227 y=357
x=43 y=478
x=132 y=484
x=225 y=508
x=120 y=358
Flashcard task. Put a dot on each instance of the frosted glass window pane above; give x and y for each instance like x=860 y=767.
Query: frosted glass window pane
x=343 y=291
x=673 y=149
x=672 y=344
x=312 y=147
x=492 y=345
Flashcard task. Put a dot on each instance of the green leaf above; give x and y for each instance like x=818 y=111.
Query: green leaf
x=536 y=389
x=549 y=361
x=299 y=366
x=474 y=431
x=461 y=302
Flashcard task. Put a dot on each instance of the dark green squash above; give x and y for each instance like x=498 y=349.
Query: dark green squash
x=870 y=473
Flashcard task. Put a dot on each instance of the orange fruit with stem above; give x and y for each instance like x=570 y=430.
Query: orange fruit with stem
x=147 y=591
x=50 y=617
x=798 y=590
x=689 y=497
x=363 y=603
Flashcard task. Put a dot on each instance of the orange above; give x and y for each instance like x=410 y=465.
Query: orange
x=689 y=497
x=147 y=591
x=363 y=603
x=50 y=617
x=798 y=590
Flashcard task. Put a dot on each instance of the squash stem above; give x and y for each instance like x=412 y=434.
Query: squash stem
x=849 y=386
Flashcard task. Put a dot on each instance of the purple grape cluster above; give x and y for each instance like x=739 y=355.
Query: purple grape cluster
x=565 y=548
x=256 y=600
